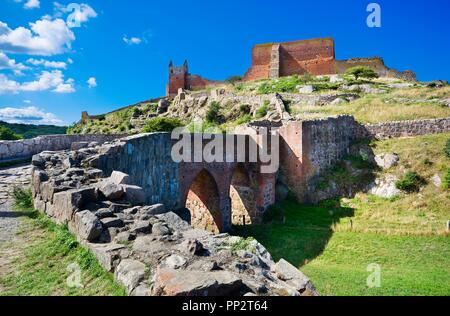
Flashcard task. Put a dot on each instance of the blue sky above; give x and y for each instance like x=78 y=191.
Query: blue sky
x=49 y=51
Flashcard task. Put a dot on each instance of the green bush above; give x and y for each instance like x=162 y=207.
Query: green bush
x=244 y=119
x=161 y=124
x=262 y=111
x=23 y=199
x=361 y=72
x=447 y=148
x=446 y=180
x=411 y=182
x=245 y=109
x=234 y=79
x=7 y=134
x=212 y=115
x=284 y=84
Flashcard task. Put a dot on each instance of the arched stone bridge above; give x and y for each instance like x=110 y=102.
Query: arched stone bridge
x=219 y=194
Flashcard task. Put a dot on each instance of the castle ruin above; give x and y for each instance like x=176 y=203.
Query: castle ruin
x=274 y=60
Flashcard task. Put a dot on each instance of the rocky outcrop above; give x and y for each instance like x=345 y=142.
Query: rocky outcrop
x=150 y=249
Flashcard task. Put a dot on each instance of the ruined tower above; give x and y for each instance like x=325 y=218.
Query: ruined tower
x=178 y=78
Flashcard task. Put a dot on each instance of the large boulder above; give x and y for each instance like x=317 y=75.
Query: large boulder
x=118 y=177
x=130 y=273
x=156 y=209
x=107 y=254
x=294 y=277
x=134 y=194
x=87 y=226
x=171 y=282
x=163 y=106
x=385 y=187
x=111 y=191
x=387 y=161
x=66 y=203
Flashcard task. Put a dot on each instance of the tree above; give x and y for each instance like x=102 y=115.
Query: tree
x=8 y=134
x=162 y=124
x=362 y=72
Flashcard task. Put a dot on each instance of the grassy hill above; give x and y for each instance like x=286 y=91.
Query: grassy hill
x=373 y=101
x=31 y=131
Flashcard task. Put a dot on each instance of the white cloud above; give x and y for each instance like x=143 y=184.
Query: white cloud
x=53 y=81
x=8 y=86
x=28 y=115
x=27 y=101
x=77 y=13
x=45 y=37
x=132 y=40
x=7 y=63
x=66 y=87
x=92 y=82
x=32 y=4
x=47 y=63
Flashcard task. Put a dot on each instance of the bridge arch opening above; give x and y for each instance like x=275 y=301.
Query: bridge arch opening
x=243 y=202
x=203 y=203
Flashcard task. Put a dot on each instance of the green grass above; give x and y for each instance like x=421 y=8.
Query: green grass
x=390 y=106
x=43 y=251
x=337 y=261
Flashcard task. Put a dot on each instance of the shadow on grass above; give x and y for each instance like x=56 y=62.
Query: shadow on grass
x=17 y=214
x=304 y=232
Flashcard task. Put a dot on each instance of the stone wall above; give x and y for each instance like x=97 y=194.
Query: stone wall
x=147 y=159
x=24 y=149
x=403 y=128
x=377 y=64
x=308 y=148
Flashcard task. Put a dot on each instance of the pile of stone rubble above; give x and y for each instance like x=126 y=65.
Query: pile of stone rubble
x=150 y=249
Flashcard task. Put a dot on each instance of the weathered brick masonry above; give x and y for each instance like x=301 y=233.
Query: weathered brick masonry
x=274 y=60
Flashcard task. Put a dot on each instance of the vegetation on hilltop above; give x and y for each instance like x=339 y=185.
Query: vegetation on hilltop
x=361 y=72
x=28 y=131
x=373 y=100
x=7 y=134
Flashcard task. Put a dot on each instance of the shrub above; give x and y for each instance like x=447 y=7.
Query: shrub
x=411 y=182
x=7 y=134
x=23 y=199
x=212 y=115
x=244 y=119
x=234 y=79
x=245 y=109
x=262 y=111
x=161 y=124
x=239 y=86
x=447 y=148
x=446 y=180
x=361 y=72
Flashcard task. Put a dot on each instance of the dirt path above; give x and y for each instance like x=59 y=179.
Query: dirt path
x=10 y=177
x=10 y=221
